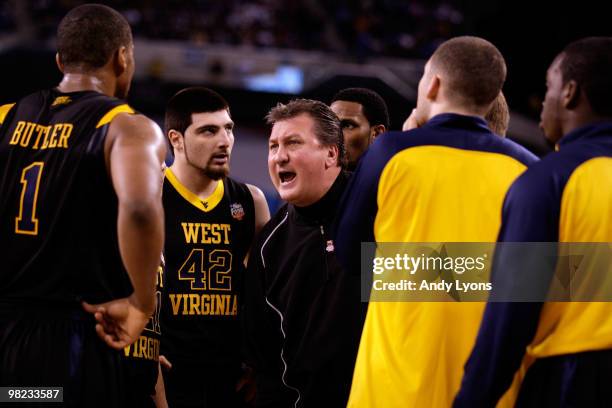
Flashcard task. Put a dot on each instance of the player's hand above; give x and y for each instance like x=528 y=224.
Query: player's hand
x=119 y=322
x=246 y=385
x=411 y=122
x=165 y=363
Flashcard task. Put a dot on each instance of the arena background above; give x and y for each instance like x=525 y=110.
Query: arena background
x=258 y=53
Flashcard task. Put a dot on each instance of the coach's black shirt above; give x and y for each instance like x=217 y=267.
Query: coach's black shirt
x=303 y=315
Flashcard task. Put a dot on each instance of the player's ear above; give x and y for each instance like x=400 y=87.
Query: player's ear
x=120 y=60
x=176 y=140
x=433 y=88
x=59 y=63
x=570 y=95
x=377 y=130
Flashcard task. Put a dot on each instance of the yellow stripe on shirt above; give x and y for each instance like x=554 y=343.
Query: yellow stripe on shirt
x=4 y=110
x=110 y=115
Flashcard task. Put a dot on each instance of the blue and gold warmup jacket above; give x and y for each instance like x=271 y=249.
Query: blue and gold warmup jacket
x=443 y=182
x=567 y=197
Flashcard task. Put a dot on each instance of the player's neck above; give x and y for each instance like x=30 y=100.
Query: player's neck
x=75 y=82
x=579 y=117
x=445 y=107
x=194 y=179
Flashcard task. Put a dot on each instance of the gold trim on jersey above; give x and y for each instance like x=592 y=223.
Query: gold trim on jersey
x=61 y=100
x=110 y=115
x=206 y=204
x=4 y=110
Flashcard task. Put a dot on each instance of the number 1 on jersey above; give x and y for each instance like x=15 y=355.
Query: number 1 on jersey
x=26 y=222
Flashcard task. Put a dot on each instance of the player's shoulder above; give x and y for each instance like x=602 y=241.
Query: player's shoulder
x=4 y=111
x=255 y=192
x=543 y=180
x=36 y=99
x=555 y=165
x=234 y=187
x=130 y=118
x=391 y=143
x=516 y=151
x=135 y=125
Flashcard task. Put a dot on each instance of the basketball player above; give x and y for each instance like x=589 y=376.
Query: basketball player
x=81 y=205
x=564 y=198
x=444 y=181
x=211 y=220
x=363 y=115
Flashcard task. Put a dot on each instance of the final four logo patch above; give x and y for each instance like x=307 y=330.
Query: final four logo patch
x=237 y=211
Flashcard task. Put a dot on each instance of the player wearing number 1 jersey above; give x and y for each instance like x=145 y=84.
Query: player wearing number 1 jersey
x=210 y=223
x=80 y=206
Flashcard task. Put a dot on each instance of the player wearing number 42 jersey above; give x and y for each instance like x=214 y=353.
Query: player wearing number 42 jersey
x=80 y=207
x=210 y=223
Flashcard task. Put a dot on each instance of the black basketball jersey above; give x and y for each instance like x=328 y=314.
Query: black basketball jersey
x=58 y=209
x=206 y=243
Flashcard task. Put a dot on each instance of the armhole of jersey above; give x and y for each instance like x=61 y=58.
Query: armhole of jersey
x=254 y=223
x=110 y=115
x=242 y=189
x=4 y=110
x=250 y=194
x=240 y=192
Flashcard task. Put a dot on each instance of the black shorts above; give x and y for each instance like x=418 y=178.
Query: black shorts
x=48 y=347
x=140 y=379
x=189 y=384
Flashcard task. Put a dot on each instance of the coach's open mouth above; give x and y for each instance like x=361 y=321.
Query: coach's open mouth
x=286 y=176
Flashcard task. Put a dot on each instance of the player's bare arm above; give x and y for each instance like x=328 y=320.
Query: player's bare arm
x=134 y=153
x=262 y=212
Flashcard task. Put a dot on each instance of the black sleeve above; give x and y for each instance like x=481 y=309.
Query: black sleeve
x=253 y=314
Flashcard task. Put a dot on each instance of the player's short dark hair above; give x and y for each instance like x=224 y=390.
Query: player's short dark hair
x=188 y=101
x=89 y=34
x=475 y=68
x=589 y=62
x=373 y=105
x=326 y=124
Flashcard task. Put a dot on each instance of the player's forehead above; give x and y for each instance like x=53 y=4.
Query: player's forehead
x=347 y=109
x=219 y=118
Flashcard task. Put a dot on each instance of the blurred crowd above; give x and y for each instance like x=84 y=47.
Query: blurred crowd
x=355 y=28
